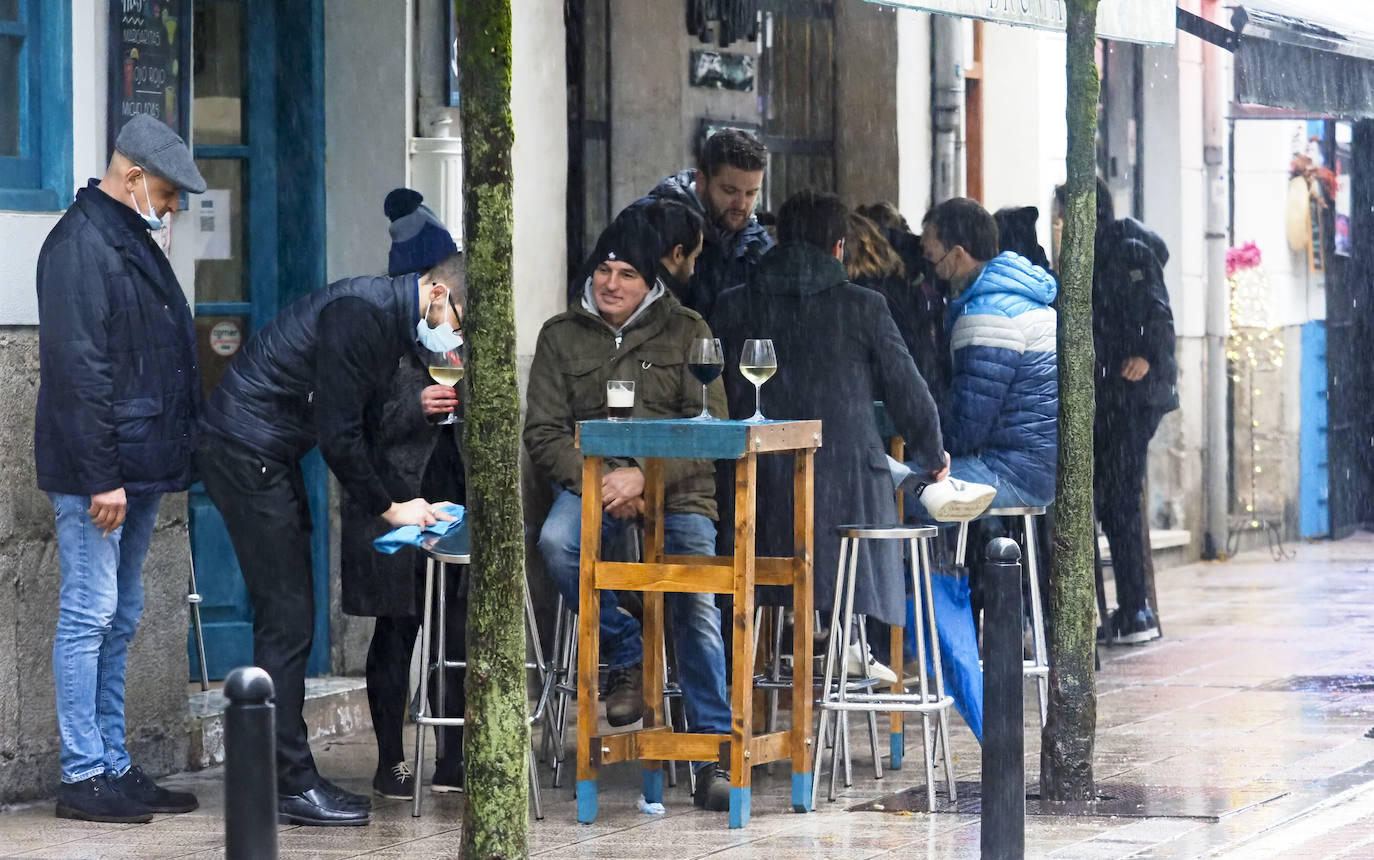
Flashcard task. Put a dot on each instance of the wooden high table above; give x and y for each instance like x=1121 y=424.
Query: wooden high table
x=650 y=442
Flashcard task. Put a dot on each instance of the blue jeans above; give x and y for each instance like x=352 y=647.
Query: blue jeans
x=99 y=606
x=695 y=618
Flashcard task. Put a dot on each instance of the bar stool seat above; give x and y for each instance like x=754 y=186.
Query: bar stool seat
x=837 y=697
x=453 y=549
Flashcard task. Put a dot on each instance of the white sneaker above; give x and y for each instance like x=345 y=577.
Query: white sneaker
x=855 y=665
x=953 y=500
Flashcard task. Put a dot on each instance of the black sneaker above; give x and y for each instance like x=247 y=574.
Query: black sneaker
x=135 y=784
x=396 y=781
x=95 y=799
x=1139 y=628
x=625 y=695
x=448 y=776
x=713 y=788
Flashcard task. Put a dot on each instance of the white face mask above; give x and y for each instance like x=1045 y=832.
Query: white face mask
x=440 y=338
x=153 y=220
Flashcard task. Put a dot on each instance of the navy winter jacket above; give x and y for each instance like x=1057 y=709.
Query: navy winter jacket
x=726 y=259
x=119 y=386
x=1132 y=318
x=1004 y=397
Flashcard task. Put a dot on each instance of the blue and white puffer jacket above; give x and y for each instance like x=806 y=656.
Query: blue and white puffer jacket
x=1004 y=398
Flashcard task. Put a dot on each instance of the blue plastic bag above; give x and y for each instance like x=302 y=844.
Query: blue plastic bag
x=963 y=673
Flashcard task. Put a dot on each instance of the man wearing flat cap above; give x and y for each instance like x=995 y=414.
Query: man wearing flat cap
x=628 y=325
x=115 y=429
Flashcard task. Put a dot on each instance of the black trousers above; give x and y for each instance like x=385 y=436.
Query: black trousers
x=264 y=506
x=388 y=669
x=1121 y=447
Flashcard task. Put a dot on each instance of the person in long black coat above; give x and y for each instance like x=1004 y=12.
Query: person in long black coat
x=838 y=351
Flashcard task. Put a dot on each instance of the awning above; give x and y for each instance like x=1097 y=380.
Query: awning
x=1292 y=56
x=1149 y=22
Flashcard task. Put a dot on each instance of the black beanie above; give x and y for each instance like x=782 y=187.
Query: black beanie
x=419 y=240
x=630 y=239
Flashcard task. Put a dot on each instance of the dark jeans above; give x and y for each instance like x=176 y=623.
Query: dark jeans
x=264 y=506
x=1121 y=445
x=388 y=669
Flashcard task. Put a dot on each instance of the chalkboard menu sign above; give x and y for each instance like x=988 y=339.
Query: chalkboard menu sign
x=150 y=60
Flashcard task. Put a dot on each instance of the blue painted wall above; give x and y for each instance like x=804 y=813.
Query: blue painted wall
x=1314 y=484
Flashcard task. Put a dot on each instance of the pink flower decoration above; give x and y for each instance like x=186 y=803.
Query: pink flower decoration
x=1245 y=256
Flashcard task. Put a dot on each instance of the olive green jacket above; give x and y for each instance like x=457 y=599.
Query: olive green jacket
x=578 y=351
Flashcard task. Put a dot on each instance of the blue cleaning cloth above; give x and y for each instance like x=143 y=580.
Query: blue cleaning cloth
x=393 y=540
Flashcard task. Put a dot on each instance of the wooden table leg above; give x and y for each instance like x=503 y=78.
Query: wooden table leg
x=589 y=641
x=803 y=548
x=652 y=632
x=742 y=681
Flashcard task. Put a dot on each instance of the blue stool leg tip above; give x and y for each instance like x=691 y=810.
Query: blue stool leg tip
x=897 y=742
x=801 y=792
x=739 y=807
x=586 y=801
x=653 y=785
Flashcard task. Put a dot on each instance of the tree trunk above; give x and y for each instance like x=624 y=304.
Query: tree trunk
x=1066 y=755
x=497 y=738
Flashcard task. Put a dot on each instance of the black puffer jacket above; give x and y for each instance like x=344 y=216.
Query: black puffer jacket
x=1131 y=317
x=726 y=258
x=119 y=385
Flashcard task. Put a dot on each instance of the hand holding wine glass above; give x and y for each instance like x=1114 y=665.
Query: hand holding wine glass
x=705 y=360
x=757 y=363
x=446 y=368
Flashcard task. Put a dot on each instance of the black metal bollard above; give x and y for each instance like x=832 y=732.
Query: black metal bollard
x=1003 y=825
x=250 y=766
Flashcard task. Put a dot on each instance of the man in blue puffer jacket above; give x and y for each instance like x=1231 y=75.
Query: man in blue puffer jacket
x=1001 y=420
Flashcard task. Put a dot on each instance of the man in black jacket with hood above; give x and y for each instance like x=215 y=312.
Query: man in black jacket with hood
x=723 y=190
x=1136 y=385
x=114 y=430
x=318 y=374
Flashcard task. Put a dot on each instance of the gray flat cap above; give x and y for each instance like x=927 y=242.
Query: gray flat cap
x=152 y=145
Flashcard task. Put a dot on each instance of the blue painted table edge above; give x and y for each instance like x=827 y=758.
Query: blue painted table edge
x=669 y=438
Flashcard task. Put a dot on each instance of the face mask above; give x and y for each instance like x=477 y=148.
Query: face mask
x=151 y=217
x=441 y=338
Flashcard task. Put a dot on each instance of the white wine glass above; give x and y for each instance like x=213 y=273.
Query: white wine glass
x=446 y=368
x=757 y=363
x=705 y=360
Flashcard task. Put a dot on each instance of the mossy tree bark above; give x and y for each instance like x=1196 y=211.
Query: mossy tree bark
x=1066 y=756
x=496 y=741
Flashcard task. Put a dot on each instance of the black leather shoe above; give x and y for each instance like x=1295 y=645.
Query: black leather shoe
x=135 y=784
x=316 y=807
x=343 y=795
x=95 y=799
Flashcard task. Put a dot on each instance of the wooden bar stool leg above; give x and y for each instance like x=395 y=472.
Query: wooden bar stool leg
x=1037 y=618
x=803 y=545
x=424 y=685
x=939 y=674
x=589 y=645
x=742 y=680
x=652 y=637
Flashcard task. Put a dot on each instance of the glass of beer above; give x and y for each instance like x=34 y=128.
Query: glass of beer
x=757 y=363
x=620 y=399
x=446 y=368
x=705 y=361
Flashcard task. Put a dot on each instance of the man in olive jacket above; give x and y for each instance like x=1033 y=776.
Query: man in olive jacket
x=628 y=326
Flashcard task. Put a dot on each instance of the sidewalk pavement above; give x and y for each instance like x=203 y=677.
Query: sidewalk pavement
x=1242 y=729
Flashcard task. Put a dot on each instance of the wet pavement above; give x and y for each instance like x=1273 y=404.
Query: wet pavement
x=1239 y=734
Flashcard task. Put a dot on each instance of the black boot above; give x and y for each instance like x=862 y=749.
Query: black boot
x=625 y=695
x=136 y=785
x=713 y=788
x=95 y=799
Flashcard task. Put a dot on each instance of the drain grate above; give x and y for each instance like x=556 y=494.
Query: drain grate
x=1322 y=684
x=1127 y=801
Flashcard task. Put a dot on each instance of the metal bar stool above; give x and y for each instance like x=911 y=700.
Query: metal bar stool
x=1038 y=666
x=454 y=549
x=836 y=699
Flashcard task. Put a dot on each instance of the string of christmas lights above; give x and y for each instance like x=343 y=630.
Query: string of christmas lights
x=1253 y=347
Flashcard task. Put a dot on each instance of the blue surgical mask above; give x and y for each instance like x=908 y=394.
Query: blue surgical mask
x=440 y=338
x=150 y=217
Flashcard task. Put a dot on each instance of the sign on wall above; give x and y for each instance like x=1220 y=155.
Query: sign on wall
x=1149 y=22
x=149 y=59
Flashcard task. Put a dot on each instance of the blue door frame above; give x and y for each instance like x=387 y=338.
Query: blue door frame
x=283 y=158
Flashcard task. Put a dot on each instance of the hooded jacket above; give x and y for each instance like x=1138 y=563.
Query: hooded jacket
x=1004 y=397
x=726 y=258
x=120 y=387
x=1131 y=317
x=578 y=351
x=838 y=351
